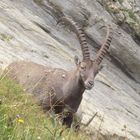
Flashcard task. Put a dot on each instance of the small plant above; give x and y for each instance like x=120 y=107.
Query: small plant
x=132 y=15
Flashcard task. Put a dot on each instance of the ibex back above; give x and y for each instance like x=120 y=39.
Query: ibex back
x=58 y=89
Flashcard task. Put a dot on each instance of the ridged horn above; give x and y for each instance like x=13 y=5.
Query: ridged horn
x=81 y=36
x=103 y=50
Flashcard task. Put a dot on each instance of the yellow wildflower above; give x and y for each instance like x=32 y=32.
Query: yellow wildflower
x=20 y=120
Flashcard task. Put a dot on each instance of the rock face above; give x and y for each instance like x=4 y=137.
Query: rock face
x=29 y=31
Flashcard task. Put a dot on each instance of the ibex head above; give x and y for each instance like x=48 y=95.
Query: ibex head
x=88 y=68
x=87 y=71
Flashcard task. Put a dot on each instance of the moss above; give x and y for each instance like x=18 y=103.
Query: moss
x=5 y=37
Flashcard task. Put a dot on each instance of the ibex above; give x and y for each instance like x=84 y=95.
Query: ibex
x=56 y=88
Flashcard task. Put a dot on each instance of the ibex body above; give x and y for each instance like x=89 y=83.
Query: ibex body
x=58 y=89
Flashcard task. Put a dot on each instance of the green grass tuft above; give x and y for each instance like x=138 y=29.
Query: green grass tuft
x=22 y=119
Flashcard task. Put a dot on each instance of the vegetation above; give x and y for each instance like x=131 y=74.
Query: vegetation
x=5 y=37
x=22 y=119
x=120 y=1
x=132 y=15
x=124 y=15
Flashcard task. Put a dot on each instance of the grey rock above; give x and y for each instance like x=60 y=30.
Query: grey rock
x=29 y=31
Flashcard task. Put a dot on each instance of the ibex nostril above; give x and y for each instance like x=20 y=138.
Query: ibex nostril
x=91 y=83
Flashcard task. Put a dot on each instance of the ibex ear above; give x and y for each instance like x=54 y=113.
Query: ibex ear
x=76 y=59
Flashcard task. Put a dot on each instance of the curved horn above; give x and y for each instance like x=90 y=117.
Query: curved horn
x=81 y=36
x=103 y=50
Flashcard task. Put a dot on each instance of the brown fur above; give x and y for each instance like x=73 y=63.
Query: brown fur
x=54 y=88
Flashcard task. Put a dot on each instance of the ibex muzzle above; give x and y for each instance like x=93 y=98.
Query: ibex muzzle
x=67 y=86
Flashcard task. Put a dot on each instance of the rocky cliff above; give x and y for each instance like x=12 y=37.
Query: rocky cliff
x=29 y=31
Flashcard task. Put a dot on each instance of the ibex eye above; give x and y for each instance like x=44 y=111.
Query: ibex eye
x=83 y=67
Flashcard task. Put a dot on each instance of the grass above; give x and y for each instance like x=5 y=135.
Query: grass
x=22 y=119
